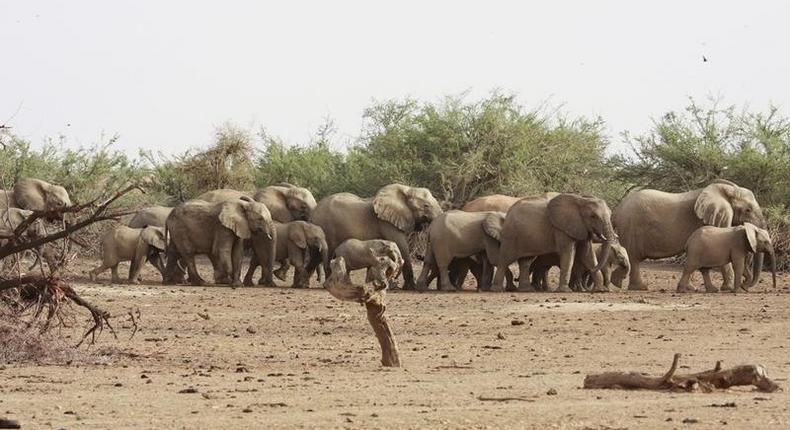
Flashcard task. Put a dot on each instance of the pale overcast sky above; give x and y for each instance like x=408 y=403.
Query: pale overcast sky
x=163 y=74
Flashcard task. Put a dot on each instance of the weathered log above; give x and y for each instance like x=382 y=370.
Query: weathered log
x=706 y=381
x=340 y=286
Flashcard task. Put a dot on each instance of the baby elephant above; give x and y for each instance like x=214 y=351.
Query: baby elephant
x=131 y=244
x=379 y=257
x=298 y=242
x=711 y=247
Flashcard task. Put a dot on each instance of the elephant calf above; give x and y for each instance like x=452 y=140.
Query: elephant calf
x=131 y=244
x=614 y=271
x=710 y=247
x=297 y=243
x=378 y=256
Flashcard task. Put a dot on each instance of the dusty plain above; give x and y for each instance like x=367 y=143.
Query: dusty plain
x=215 y=357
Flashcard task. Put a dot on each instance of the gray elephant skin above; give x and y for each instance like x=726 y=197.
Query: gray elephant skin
x=35 y=195
x=217 y=230
x=376 y=256
x=396 y=211
x=285 y=202
x=656 y=224
x=298 y=242
x=154 y=216
x=710 y=247
x=137 y=245
x=566 y=225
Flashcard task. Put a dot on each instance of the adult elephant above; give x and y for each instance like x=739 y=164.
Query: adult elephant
x=35 y=195
x=396 y=211
x=219 y=231
x=153 y=216
x=566 y=225
x=490 y=203
x=656 y=224
x=285 y=202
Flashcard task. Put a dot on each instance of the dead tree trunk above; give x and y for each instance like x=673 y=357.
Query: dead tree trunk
x=706 y=381
x=340 y=286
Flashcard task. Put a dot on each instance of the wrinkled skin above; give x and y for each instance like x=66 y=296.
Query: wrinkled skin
x=376 y=256
x=566 y=225
x=395 y=212
x=287 y=202
x=137 y=245
x=710 y=247
x=154 y=216
x=297 y=243
x=35 y=195
x=456 y=235
x=219 y=231
x=615 y=270
x=655 y=224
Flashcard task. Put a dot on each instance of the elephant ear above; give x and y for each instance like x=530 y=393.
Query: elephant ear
x=565 y=215
x=154 y=236
x=492 y=225
x=232 y=216
x=750 y=231
x=297 y=236
x=712 y=205
x=390 y=205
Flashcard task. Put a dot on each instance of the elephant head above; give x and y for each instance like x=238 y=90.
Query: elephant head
x=385 y=270
x=388 y=250
x=584 y=218
x=310 y=238
x=38 y=195
x=246 y=217
x=297 y=201
x=723 y=204
x=407 y=208
x=154 y=238
x=620 y=259
x=758 y=240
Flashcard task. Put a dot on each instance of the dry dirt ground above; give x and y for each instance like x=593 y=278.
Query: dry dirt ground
x=217 y=357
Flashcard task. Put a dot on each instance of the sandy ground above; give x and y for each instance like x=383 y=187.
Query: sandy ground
x=284 y=358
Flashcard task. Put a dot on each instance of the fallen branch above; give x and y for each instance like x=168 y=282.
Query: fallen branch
x=505 y=399
x=340 y=286
x=706 y=381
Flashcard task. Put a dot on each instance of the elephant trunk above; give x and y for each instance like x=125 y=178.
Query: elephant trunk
x=609 y=237
x=773 y=265
x=757 y=269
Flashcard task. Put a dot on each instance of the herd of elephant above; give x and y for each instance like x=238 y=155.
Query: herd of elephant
x=281 y=226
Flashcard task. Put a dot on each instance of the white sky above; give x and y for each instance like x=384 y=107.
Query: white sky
x=163 y=74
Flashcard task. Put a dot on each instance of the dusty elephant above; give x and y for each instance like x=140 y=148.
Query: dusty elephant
x=458 y=235
x=285 y=202
x=137 y=245
x=395 y=212
x=614 y=272
x=710 y=247
x=297 y=243
x=566 y=225
x=380 y=258
x=219 y=231
x=154 y=216
x=35 y=195
x=655 y=224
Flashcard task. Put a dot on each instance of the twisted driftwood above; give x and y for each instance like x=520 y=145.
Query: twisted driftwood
x=340 y=286
x=706 y=381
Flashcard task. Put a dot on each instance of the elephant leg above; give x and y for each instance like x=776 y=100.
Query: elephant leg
x=116 y=279
x=524 y=279
x=727 y=274
x=738 y=268
x=508 y=278
x=135 y=268
x=95 y=272
x=282 y=272
x=567 y=252
x=478 y=270
x=684 y=285
x=484 y=283
x=428 y=272
x=506 y=256
x=237 y=256
x=443 y=264
x=709 y=287
x=193 y=277
x=251 y=270
x=408 y=270
x=635 y=282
